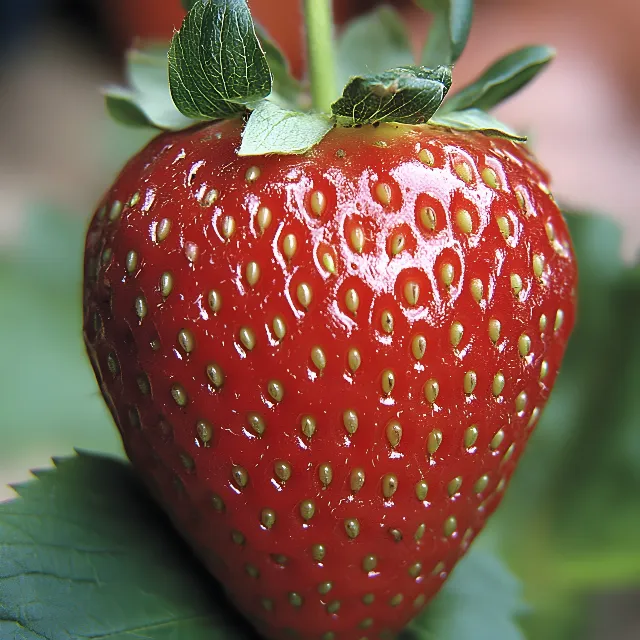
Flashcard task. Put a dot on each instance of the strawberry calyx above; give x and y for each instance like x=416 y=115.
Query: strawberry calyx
x=222 y=65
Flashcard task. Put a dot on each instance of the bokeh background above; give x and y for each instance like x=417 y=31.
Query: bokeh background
x=570 y=528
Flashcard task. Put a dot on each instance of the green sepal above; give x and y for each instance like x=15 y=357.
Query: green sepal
x=476 y=120
x=216 y=63
x=146 y=102
x=501 y=80
x=449 y=32
x=274 y=130
x=286 y=90
x=409 y=95
x=371 y=44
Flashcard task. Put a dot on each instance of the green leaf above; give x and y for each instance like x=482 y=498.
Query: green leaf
x=84 y=553
x=501 y=80
x=216 y=64
x=272 y=129
x=449 y=32
x=286 y=89
x=481 y=600
x=188 y=4
x=372 y=44
x=408 y=95
x=148 y=100
x=475 y=120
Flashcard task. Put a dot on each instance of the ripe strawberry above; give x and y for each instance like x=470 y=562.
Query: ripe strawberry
x=325 y=363
x=327 y=367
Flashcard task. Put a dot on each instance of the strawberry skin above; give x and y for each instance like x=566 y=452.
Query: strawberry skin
x=326 y=366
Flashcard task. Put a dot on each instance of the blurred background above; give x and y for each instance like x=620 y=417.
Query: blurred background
x=570 y=528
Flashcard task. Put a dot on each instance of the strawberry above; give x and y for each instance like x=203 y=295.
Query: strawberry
x=326 y=365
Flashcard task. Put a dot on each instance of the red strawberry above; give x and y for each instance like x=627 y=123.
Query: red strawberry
x=326 y=367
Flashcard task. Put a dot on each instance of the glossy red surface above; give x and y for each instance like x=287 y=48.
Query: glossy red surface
x=526 y=269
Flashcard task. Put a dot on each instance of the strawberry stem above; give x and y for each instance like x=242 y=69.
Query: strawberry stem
x=320 y=46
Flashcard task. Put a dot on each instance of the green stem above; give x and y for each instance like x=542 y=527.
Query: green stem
x=319 y=27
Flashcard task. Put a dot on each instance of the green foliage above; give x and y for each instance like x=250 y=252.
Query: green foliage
x=501 y=80
x=408 y=95
x=216 y=64
x=371 y=44
x=450 y=30
x=271 y=129
x=475 y=120
x=84 y=553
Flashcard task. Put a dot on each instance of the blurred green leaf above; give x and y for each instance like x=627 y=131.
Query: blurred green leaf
x=449 y=31
x=475 y=120
x=84 y=553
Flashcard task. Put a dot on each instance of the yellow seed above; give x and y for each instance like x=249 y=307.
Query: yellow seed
x=166 y=284
x=559 y=320
x=328 y=262
x=352 y=527
x=115 y=211
x=498 y=384
x=422 y=489
x=524 y=345
x=420 y=601
x=252 y=174
x=447 y=274
x=431 y=390
x=318 y=203
x=522 y=203
x=333 y=607
x=289 y=246
x=419 y=346
x=455 y=334
x=420 y=531
x=228 y=226
x=279 y=327
x=163 y=229
x=308 y=426
x=354 y=359
x=215 y=301
x=464 y=171
x=369 y=563
x=318 y=552
x=470 y=436
x=384 y=193
x=470 y=381
x=538 y=265
x=494 y=330
x=276 y=390
x=389 y=485
x=179 y=395
x=325 y=473
x=295 y=600
x=191 y=251
x=535 y=414
x=325 y=587
x=304 y=294
x=426 y=157
x=490 y=177
x=252 y=273
x=252 y=570
x=352 y=300
x=428 y=218
x=434 y=440
x=350 y=421
x=477 y=289
x=496 y=441
x=264 y=218
x=357 y=480
x=185 y=340
x=307 y=509
x=131 y=262
x=509 y=452
x=268 y=518
x=544 y=369
x=209 y=198
x=454 y=486
x=256 y=423
x=412 y=293
x=516 y=284
x=394 y=433
x=240 y=476
x=318 y=358
x=135 y=198
x=415 y=570
x=388 y=381
x=505 y=227
x=248 y=338
x=481 y=484
x=357 y=239
x=464 y=221
x=398 y=244
x=543 y=322
x=387 y=322
x=551 y=232
x=521 y=402
x=140 y=306
x=450 y=526
x=282 y=470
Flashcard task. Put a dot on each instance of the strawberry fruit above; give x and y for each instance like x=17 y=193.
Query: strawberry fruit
x=326 y=365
